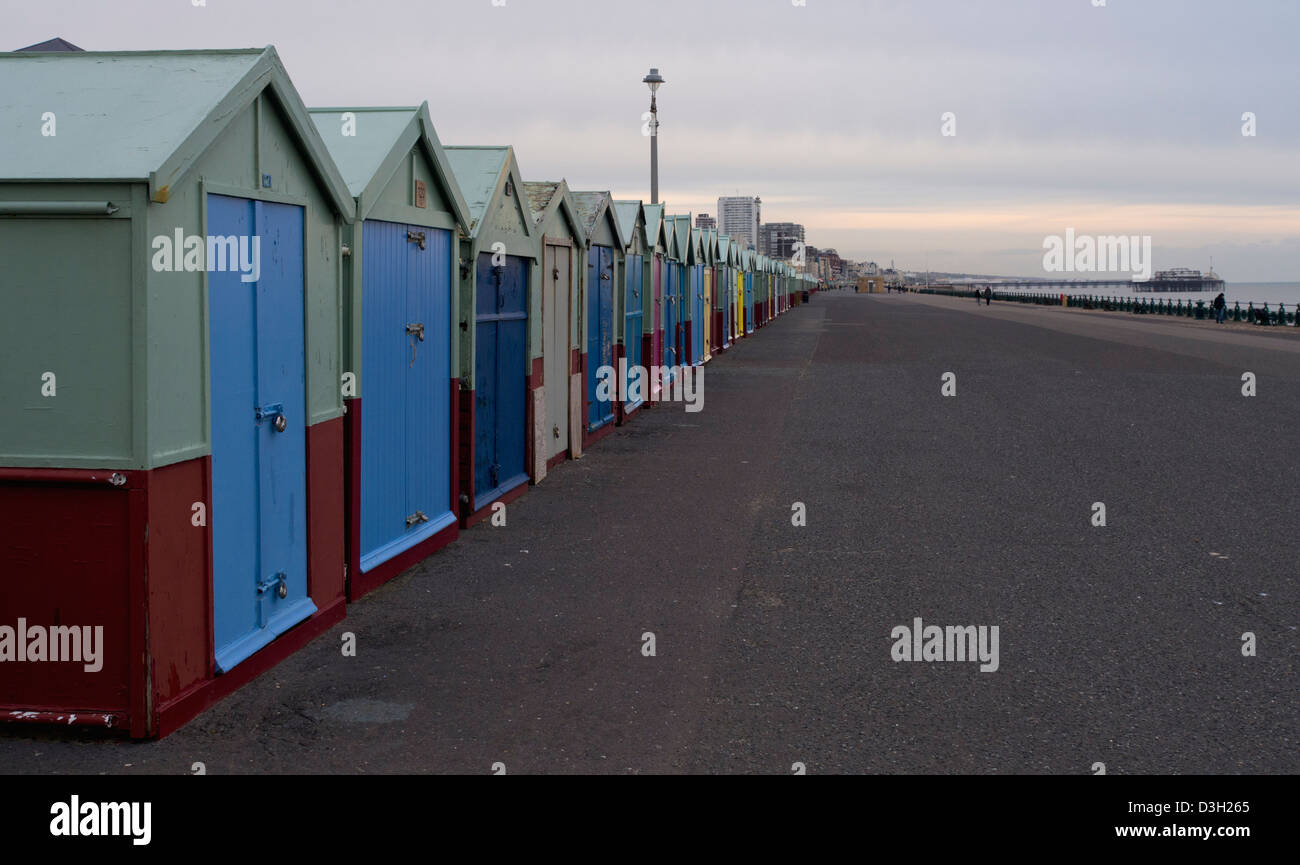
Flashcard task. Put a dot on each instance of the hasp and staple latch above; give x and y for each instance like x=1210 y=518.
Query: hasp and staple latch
x=416 y=237
x=415 y=329
x=277 y=581
x=417 y=517
x=273 y=412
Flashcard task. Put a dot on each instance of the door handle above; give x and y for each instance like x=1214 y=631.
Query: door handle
x=416 y=237
x=417 y=517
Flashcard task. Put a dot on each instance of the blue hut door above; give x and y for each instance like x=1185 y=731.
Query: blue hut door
x=500 y=382
x=668 y=342
x=632 y=321
x=257 y=388
x=683 y=314
x=600 y=331
x=697 y=315
x=406 y=388
x=749 y=303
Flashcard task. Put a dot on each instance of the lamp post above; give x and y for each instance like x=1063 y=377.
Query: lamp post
x=653 y=80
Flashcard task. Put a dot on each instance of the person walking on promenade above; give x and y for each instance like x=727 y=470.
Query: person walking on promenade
x=988 y=296
x=1220 y=308
x=978 y=296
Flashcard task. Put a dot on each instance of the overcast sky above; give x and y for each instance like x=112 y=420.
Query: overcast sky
x=1122 y=119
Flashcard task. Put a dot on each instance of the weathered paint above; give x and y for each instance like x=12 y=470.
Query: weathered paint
x=600 y=332
x=600 y=303
x=399 y=336
x=148 y=355
x=501 y=392
x=502 y=237
x=259 y=503
x=635 y=284
x=564 y=239
x=657 y=245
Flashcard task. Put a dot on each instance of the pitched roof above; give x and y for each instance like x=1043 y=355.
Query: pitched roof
x=140 y=115
x=627 y=213
x=591 y=207
x=540 y=194
x=549 y=196
x=359 y=156
x=682 y=233
x=382 y=138
x=479 y=172
x=58 y=43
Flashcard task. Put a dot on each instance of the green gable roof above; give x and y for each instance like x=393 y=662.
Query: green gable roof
x=628 y=212
x=140 y=115
x=479 y=172
x=383 y=137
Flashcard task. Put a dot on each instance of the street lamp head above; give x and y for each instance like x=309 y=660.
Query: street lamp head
x=653 y=80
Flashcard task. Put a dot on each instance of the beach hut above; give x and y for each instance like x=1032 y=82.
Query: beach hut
x=683 y=289
x=736 y=293
x=773 y=280
x=502 y=404
x=654 y=305
x=399 y=338
x=697 y=323
x=674 y=294
x=748 y=261
x=769 y=270
x=601 y=305
x=563 y=240
x=765 y=295
x=724 y=283
x=171 y=464
x=631 y=327
x=708 y=260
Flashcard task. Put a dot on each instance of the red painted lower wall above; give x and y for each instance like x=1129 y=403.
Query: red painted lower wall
x=65 y=559
x=135 y=563
x=465 y=451
x=535 y=379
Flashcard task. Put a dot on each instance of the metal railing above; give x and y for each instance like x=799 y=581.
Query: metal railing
x=1261 y=315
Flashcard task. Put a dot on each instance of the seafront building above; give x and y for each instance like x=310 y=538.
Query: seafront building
x=739 y=219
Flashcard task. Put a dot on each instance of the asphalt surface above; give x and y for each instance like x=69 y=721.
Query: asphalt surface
x=1119 y=644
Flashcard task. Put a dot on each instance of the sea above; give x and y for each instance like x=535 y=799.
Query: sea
x=1257 y=293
